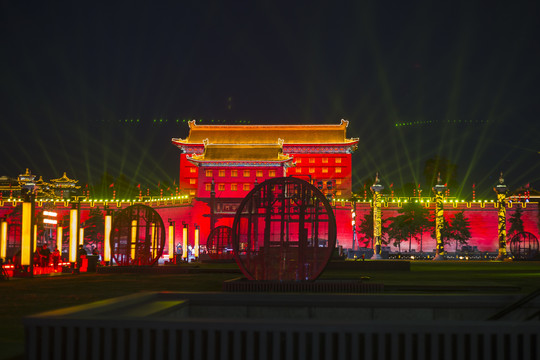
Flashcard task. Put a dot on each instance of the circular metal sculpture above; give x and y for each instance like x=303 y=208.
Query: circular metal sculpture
x=524 y=246
x=219 y=244
x=137 y=236
x=284 y=229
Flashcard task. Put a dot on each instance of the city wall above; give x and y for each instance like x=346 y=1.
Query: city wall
x=191 y=213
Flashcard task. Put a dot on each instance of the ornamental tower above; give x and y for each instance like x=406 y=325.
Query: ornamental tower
x=318 y=152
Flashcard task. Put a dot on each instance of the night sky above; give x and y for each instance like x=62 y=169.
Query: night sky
x=89 y=88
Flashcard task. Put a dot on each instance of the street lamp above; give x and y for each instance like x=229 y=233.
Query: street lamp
x=376 y=188
x=439 y=190
x=501 y=191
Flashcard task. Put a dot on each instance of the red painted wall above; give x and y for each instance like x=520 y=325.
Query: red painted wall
x=483 y=219
x=225 y=177
x=334 y=167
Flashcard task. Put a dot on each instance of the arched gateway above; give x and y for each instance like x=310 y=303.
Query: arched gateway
x=284 y=229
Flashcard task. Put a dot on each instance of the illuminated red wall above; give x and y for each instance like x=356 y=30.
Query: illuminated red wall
x=483 y=219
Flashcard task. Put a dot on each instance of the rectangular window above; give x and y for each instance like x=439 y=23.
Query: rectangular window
x=208 y=173
x=299 y=160
x=192 y=181
x=272 y=173
x=246 y=173
x=234 y=187
x=221 y=173
x=325 y=170
x=246 y=187
x=338 y=181
x=221 y=187
x=234 y=173
x=338 y=192
x=312 y=160
x=311 y=170
x=191 y=192
x=192 y=170
x=259 y=173
x=298 y=170
x=338 y=170
x=325 y=160
x=338 y=160
x=207 y=186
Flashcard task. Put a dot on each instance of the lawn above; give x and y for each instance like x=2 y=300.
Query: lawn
x=22 y=297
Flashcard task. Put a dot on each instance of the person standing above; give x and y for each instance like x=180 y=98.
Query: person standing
x=44 y=255
x=55 y=259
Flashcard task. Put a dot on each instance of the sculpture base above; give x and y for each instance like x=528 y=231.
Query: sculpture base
x=376 y=257
x=438 y=257
x=500 y=257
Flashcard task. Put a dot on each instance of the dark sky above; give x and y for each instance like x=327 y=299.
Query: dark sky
x=84 y=86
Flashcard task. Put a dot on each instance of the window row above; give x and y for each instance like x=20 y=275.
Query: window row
x=312 y=160
x=234 y=173
x=311 y=170
x=245 y=187
x=233 y=187
x=193 y=181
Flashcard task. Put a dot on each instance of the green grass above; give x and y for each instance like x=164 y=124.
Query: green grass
x=523 y=275
x=23 y=297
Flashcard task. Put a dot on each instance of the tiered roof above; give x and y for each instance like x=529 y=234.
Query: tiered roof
x=266 y=134
x=65 y=182
x=241 y=153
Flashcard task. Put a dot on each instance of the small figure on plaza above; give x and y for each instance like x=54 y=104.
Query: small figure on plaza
x=55 y=259
x=36 y=258
x=81 y=254
x=44 y=255
x=17 y=260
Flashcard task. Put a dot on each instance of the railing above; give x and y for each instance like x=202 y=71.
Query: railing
x=281 y=326
x=512 y=308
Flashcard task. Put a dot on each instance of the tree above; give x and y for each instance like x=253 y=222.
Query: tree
x=422 y=222
x=399 y=230
x=516 y=223
x=460 y=229
x=409 y=224
x=365 y=230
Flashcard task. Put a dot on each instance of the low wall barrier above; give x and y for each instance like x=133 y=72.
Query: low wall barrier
x=283 y=326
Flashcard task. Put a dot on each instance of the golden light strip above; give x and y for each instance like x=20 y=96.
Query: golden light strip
x=3 y=239
x=196 y=246
x=171 y=242
x=184 y=242
x=133 y=238
x=26 y=234
x=59 y=238
x=73 y=235
x=35 y=237
x=107 y=240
